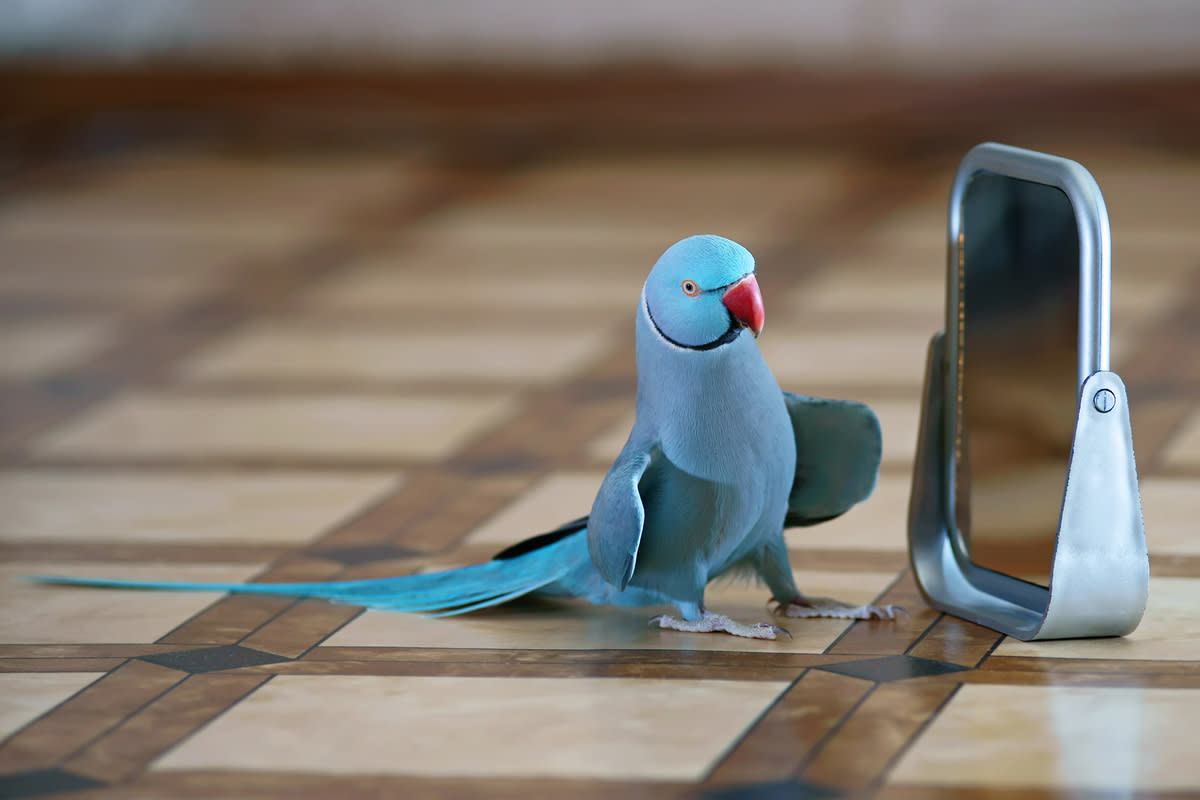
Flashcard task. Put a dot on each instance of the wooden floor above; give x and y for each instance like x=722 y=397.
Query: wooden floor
x=264 y=362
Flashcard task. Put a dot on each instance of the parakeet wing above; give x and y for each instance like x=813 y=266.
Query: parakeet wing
x=838 y=448
x=614 y=528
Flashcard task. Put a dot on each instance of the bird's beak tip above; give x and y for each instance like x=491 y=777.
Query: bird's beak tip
x=744 y=301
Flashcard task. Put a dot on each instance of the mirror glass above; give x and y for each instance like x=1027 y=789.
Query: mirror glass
x=1018 y=382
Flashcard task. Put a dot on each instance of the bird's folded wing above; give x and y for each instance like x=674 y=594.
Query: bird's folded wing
x=838 y=448
x=615 y=524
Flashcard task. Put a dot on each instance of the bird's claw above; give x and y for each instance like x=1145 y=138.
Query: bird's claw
x=826 y=607
x=774 y=629
x=883 y=612
x=711 y=623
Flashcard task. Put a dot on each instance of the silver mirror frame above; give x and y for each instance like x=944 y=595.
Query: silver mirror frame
x=1100 y=575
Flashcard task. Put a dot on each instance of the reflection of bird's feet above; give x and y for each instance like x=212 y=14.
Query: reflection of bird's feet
x=802 y=606
x=712 y=623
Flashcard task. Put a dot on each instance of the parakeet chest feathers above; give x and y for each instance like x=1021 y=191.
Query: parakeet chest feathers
x=717 y=413
x=728 y=455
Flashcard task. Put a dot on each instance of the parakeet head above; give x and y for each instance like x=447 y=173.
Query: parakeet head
x=702 y=293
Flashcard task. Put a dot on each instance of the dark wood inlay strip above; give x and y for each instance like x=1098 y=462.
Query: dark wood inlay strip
x=66 y=652
x=87 y=716
x=301 y=627
x=60 y=664
x=863 y=747
x=151 y=732
x=283 y=786
x=956 y=641
x=786 y=735
x=660 y=659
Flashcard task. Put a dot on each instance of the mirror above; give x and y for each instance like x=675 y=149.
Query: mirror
x=1017 y=277
x=1025 y=514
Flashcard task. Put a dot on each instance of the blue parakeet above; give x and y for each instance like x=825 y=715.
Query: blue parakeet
x=719 y=461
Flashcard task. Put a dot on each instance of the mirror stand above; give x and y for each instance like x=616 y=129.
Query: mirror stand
x=1100 y=574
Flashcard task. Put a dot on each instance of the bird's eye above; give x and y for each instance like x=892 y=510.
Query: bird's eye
x=690 y=288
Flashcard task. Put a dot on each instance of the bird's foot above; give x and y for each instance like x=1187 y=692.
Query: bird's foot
x=809 y=607
x=713 y=623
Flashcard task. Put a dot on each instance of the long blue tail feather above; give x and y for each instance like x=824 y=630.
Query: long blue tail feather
x=489 y=603
x=449 y=592
x=415 y=606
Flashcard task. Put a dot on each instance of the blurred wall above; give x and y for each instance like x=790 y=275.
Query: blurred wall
x=945 y=37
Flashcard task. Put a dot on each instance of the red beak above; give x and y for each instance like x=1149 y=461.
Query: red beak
x=744 y=301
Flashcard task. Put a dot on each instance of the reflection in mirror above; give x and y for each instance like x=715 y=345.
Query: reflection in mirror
x=1018 y=381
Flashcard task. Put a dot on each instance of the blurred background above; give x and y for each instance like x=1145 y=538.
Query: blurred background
x=936 y=37
x=373 y=72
